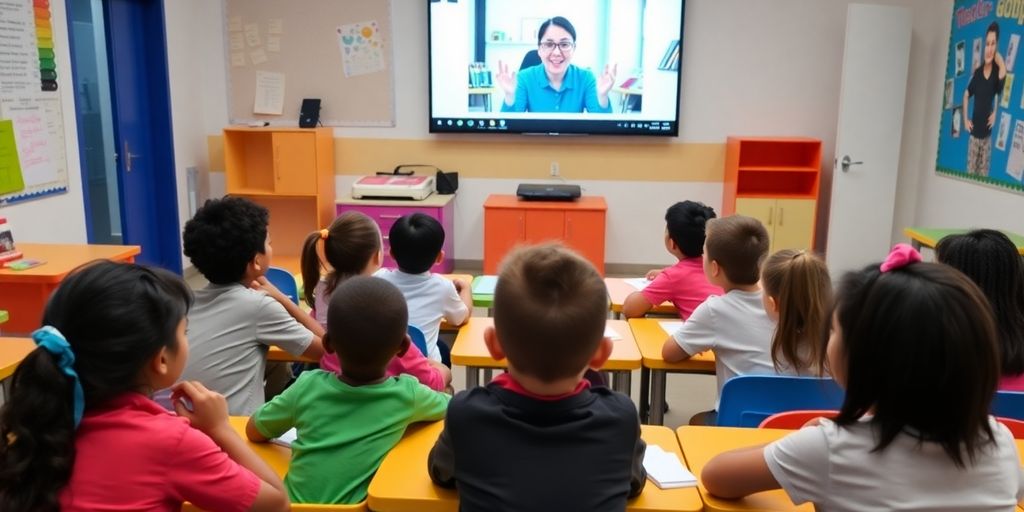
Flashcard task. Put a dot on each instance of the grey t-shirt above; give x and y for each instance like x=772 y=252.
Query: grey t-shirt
x=229 y=330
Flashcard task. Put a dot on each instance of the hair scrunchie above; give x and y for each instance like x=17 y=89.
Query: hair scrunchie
x=51 y=340
x=323 y=234
x=900 y=256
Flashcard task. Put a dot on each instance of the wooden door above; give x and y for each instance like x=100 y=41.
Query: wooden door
x=544 y=226
x=794 y=224
x=503 y=229
x=584 y=232
x=294 y=163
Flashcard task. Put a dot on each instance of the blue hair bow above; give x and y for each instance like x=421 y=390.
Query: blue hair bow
x=53 y=341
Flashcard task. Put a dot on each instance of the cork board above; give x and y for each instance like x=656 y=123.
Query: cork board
x=337 y=50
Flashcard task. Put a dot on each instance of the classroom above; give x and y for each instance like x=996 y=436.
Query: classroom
x=854 y=114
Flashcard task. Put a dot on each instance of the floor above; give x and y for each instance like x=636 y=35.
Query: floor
x=686 y=394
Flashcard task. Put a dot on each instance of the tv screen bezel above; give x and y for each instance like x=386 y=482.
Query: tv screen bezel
x=552 y=127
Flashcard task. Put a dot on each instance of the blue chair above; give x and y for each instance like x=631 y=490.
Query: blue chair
x=1008 y=404
x=418 y=338
x=284 y=281
x=748 y=399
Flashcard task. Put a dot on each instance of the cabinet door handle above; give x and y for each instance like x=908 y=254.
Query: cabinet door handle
x=568 y=228
x=781 y=211
x=390 y=216
x=770 y=212
x=522 y=227
x=277 y=159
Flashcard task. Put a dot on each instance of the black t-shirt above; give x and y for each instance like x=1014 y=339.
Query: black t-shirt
x=984 y=91
x=508 y=452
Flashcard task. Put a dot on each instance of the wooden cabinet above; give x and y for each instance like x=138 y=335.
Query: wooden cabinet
x=776 y=181
x=509 y=222
x=385 y=212
x=289 y=171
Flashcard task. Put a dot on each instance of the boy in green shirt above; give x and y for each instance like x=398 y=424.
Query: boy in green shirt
x=347 y=423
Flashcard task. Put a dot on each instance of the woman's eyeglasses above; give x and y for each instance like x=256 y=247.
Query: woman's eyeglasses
x=565 y=46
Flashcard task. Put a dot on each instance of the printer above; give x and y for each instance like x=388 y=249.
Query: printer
x=391 y=186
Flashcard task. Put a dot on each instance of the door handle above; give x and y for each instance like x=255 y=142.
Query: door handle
x=128 y=156
x=781 y=211
x=846 y=162
x=770 y=212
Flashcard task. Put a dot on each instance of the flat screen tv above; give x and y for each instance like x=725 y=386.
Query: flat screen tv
x=555 y=67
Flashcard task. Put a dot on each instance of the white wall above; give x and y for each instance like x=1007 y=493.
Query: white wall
x=58 y=218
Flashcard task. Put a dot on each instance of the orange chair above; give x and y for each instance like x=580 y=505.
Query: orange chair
x=1016 y=426
x=796 y=419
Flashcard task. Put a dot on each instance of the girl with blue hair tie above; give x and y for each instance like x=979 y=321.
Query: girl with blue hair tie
x=80 y=431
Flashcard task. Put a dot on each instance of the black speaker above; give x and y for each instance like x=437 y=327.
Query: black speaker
x=447 y=182
x=309 y=114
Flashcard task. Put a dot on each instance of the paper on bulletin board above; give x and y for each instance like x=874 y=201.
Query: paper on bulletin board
x=11 y=179
x=39 y=138
x=362 y=48
x=1015 y=162
x=269 y=93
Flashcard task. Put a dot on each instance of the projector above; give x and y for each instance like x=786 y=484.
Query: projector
x=540 y=192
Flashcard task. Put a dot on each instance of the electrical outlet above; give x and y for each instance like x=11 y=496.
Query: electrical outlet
x=554 y=168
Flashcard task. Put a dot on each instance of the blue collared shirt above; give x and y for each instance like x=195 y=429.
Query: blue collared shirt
x=535 y=94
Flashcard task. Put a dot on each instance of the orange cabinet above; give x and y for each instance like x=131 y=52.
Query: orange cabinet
x=290 y=171
x=775 y=180
x=509 y=222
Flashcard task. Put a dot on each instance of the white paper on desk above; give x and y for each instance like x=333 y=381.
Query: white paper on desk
x=1015 y=162
x=269 y=93
x=484 y=285
x=670 y=326
x=638 y=282
x=612 y=333
x=665 y=469
x=291 y=435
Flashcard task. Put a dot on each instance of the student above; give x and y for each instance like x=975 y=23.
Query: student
x=991 y=260
x=239 y=313
x=684 y=284
x=797 y=295
x=539 y=437
x=735 y=325
x=347 y=423
x=81 y=431
x=914 y=345
x=416 y=242
x=352 y=247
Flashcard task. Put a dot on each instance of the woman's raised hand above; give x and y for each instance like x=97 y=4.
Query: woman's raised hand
x=507 y=81
x=606 y=80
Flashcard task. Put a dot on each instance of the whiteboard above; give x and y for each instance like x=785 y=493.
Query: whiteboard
x=340 y=51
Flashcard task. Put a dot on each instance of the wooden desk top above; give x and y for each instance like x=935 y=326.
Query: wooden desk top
x=929 y=237
x=649 y=339
x=700 y=444
x=276 y=354
x=12 y=352
x=619 y=289
x=402 y=483
x=470 y=350
x=63 y=258
x=512 y=201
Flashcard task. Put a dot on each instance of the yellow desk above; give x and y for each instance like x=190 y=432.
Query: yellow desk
x=276 y=354
x=700 y=444
x=23 y=293
x=649 y=339
x=466 y=278
x=278 y=457
x=619 y=289
x=471 y=352
x=402 y=483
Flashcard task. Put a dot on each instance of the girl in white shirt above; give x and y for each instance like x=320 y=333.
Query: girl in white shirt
x=914 y=345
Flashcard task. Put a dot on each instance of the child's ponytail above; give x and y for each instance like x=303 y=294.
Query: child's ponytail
x=799 y=283
x=309 y=264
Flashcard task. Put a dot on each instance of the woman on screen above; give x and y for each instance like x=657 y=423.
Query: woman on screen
x=556 y=85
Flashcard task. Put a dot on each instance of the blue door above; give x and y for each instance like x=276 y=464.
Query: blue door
x=139 y=149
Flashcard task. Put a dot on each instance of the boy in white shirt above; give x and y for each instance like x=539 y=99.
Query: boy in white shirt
x=735 y=325
x=416 y=242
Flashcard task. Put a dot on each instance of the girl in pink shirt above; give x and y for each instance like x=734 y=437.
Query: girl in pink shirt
x=81 y=431
x=991 y=260
x=351 y=246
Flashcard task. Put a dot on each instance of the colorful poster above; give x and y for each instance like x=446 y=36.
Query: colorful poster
x=362 y=48
x=981 y=136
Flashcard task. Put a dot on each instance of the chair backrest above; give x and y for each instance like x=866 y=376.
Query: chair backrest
x=748 y=399
x=532 y=58
x=1016 y=427
x=1008 y=404
x=284 y=281
x=795 y=419
x=418 y=338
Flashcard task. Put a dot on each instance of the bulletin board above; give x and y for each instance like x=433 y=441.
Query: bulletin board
x=340 y=51
x=964 y=153
x=33 y=159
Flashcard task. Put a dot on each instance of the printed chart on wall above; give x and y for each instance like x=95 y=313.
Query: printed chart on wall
x=33 y=162
x=982 y=133
x=339 y=51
